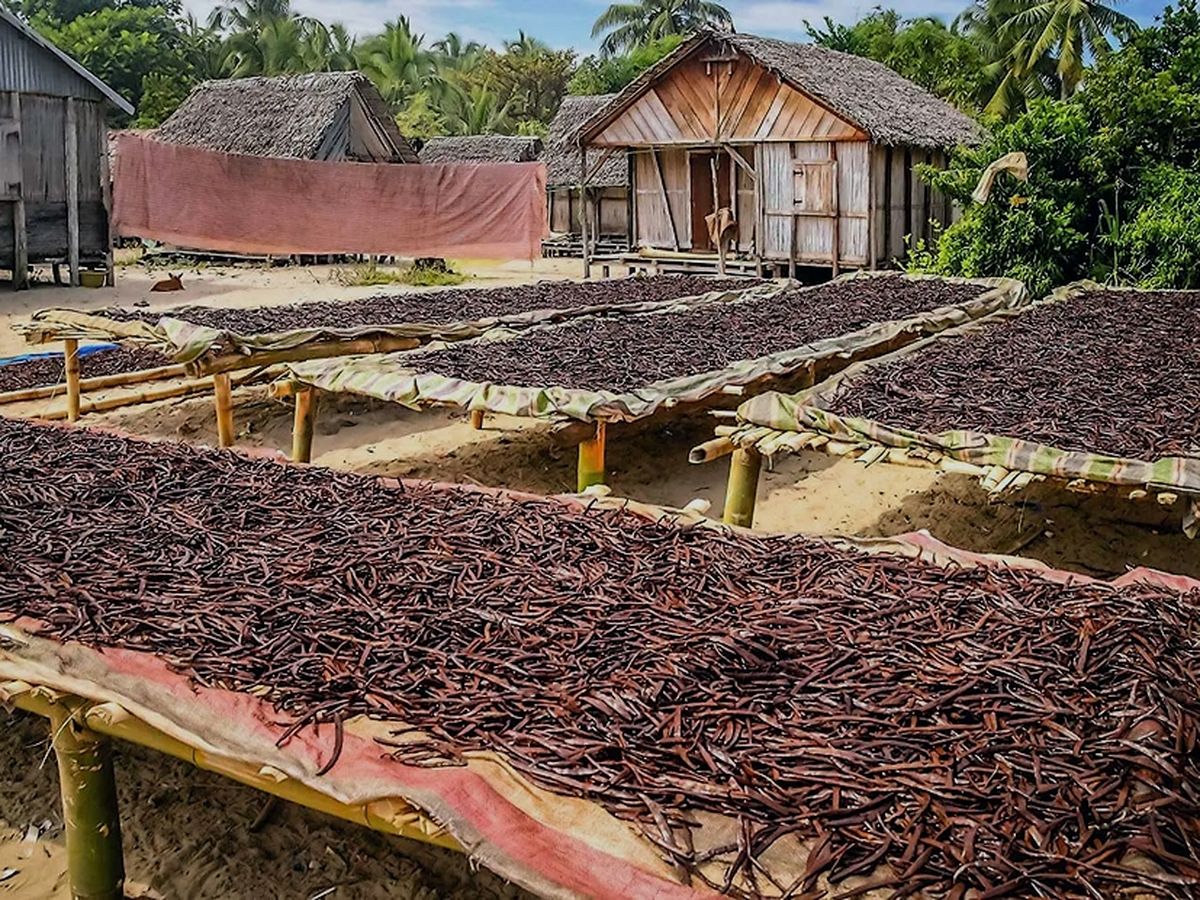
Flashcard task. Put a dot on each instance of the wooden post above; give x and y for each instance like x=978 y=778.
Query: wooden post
x=71 y=367
x=477 y=419
x=110 y=271
x=666 y=198
x=304 y=424
x=712 y=164
x=591 y=458
x=72 y=176
x=837 y=213
x=583 y=211
x=223 y=395
x=20 y=236
x=95 y=865
x=742 y=493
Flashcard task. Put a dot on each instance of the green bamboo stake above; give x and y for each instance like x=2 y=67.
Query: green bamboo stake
x=742 y=494
x=591 y=458
x=89 y=797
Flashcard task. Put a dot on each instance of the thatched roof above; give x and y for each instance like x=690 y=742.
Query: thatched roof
x=291 y=116
x=883 y=103
x=562 y=149
x=481 y=148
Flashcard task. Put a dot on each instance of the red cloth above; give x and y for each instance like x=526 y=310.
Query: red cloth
x=206 y=200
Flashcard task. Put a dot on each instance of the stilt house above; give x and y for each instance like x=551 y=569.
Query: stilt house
x=608 y=185
x=809 y=152
x=54 y=185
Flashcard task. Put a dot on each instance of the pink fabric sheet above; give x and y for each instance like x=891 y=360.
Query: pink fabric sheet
x=201 y=199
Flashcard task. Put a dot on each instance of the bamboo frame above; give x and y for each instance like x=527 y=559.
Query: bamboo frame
x=150 y=396
x=100 y=383
x=223 y=399
x=109 y=720
x=305 y=423
x=742 y=492
x=231 y=362
x=591 y=458
x=95 y=864
x=477 y=419
x=71 y=367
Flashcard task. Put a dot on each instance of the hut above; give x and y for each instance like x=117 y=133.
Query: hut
x=327 y=116
x=608 y=185
x=481 y=148
x=761 y=154
x=54 y=186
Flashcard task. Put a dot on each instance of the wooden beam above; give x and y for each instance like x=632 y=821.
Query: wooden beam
x=742 y=162
x=595 y=170
x=887 y=203
x=583 y=210
x=20 y=260
x=72 y=176
x=872 y=230
x=908 y=192
x=110 y=273
x=836 y=255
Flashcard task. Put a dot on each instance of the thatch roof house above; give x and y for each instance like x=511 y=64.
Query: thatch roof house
x=810 y=151
x=481 y=148
x=54 y=186
x=608 y=186
x=328 y=116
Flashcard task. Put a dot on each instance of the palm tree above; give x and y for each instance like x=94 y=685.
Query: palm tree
x=398 y=62
x=631 y=25
x=1039 y=47
x=474 y=110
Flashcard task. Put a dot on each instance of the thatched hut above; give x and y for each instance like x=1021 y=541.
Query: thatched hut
x=327 y=116
x=481 y=148
x=608 y=184
x=54 y=185
x=798 y=155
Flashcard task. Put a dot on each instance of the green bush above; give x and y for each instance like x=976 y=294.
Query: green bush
x=1160 y=246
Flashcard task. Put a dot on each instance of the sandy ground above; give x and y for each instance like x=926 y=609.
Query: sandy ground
x=187 y=833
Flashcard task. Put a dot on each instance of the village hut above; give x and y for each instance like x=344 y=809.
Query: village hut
x=481 y=148
x=54 y=186
x=608 y=184
x=327 y=116
x=790 y=154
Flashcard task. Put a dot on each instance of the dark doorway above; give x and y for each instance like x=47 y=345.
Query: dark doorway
x=702 y=193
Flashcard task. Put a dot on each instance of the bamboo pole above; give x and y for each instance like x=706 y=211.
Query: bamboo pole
x=234 y=361
x=591 y=458
x=304 y=426
x=95 y=865
x=99 y=383
x=742 y=492
x=223 y=397
x=71 y=356
x=477 y=419
x=167 y=393
x=711 y=450
x=114 y=721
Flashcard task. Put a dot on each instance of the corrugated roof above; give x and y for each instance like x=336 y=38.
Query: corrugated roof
x=883 y=103
x=286 y=116
x=562 y=150
x=22 y=76
x=481 y=148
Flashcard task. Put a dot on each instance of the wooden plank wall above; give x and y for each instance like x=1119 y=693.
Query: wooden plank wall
x=905 y=207
x=654 y=224
x=813 y=235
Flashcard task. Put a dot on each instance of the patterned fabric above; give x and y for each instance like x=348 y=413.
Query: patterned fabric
x=768 y=418
x=387 y=377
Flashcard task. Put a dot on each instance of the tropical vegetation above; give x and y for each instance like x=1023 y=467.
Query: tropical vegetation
x=1107 y=113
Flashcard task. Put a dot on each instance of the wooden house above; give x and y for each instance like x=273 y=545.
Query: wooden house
x=327 y=116
x=809 y=155
x=54 y=185
x=481 y=148
x=608 y=184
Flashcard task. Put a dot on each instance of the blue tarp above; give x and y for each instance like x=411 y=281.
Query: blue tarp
x=34 y=357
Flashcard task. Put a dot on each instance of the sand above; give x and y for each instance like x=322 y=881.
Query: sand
x=187 y=832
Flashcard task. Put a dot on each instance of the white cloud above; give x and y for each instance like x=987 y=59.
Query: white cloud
x=431 y=17
x=786 y=17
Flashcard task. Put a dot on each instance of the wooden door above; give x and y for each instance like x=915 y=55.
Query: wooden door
x=701 y=172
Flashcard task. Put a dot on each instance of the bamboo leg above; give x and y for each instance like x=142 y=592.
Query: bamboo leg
x=89 y=798
x=591 y=458
x=305 y=424
x=477 y=419
x=71 y=354
x=743 y=488
x=223 y=390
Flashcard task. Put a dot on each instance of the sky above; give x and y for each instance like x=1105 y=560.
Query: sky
x=568 y=23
